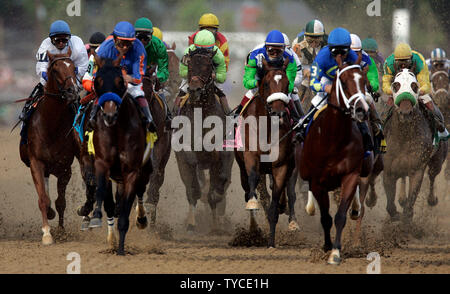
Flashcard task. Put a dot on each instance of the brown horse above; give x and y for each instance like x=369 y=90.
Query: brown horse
x=174 y=76
x=332 y=155
x=193 y=157
x=51 y=148
x=440 y=91
x=161 y=150
x=120 y=142
x=270 y=104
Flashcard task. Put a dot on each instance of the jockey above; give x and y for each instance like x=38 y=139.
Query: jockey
x=158 y=34
x=323 y=72
x=210 y=22
x=438 y=60
x=371 y=89
x=156 y=56
x=307 y=49
x=370 y=46
x=59 y=41
x=88 y=79
x=123 y=42
x=94 y=42
x=203 y=39
x=404 y=57
x=300 y=37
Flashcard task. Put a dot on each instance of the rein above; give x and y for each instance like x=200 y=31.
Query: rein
x=60 y=89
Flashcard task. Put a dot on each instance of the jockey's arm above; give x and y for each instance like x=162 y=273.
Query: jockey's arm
x=138 y=68
x=183 y=68
x=299 y=74
x=291 y=72
x=42 y=61
x=163 y=63
x=316 y=76
x=249 y=81
x=424 y=81
x=221 y=68
x=79 y=56
x=372 y=76
x=388 y=77
x=88 y=78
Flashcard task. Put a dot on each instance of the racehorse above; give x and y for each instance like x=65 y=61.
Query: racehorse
x=410 y=142
x=119 y=141
x=333 y=155
x=190 y=161
x=270 y=103
x=161 y=150
x=174 y=76
x=51 y=148
x=440 y=91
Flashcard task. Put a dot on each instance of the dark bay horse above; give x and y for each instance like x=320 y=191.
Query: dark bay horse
x=270 y=104
x=174 y=76
x=161 y=150
x=192 y=155
x=410 y=148
x=51 y=148
x=120 y=143
x=333 y=155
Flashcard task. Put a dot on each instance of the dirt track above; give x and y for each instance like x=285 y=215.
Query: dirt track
x=425 y=248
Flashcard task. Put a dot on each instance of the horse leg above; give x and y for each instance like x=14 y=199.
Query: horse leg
x=323 y=200
x=60 y=202
x=100 y=195
x=415 y=182
x=264 y=196
x=110 y=209
x=155 y=183
x=390 y=189
x=37 y=172
x=402 y=193
x=357 y=211
x=88 y=174
x=125 y=205
x=216 y=192
x=348 y=189
x=252 y=169
x=292 y=197
x=279 y=183
x=378 y=167
x=434 y=168
x=144 y=176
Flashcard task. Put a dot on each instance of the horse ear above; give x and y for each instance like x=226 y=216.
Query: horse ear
x=50 y=56
x=69 y=52
x=358 y=61
x=174 y=46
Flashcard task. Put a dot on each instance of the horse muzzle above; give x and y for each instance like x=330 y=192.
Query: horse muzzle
x=110 y=119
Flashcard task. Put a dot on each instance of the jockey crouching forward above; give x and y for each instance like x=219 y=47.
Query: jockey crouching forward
x=275 y=53
x=59 y=41
x=156 y=56
x=323 y=72
x=203 y=39
x=123 y=42
x=404 y=57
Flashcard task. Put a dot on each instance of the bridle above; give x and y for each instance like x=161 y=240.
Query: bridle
x=445 y=89
x=354 y=99
x=206 y=81
x=62 y=92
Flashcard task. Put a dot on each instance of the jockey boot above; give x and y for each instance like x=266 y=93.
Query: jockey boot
x=223 y=100
x=298 y=137
x=149 y=122
x=169 y=117
x=375 y=123
x=37 y=92
x=436 y=115
x=80 y=113
x=238 y=110
x=298 y=107
x=367 y=139
x=92 y=117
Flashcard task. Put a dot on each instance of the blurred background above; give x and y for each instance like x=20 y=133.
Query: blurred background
x=25 y=23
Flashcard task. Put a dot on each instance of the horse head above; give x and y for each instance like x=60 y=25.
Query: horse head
x=440 y=84
x=405 y=89
x=349 y=89
x=200 y=71
x=62 y=79
x=274 y=87
x=109 y=86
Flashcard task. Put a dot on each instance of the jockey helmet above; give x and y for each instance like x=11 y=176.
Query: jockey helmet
x=369 y=45
x=275 y=38
x=287 y=43
x=59 y=27
x=124 y=31
x=339 y=37
x=204 y=39
x=143 y=24
x=438 y=55
x=356 y=43
x=96 y=39
x=157 y=33
x=208 y=20
x=402 y=51
x=314 y=28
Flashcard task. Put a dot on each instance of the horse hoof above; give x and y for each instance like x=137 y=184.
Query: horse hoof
x=293 y=226
x=47 y=240
x=335 y=257
x=121 y=252
x=111 y=239
x=190 y=228
x=432 y=201
x=141 y=222
x=95 y=223
x=354 y=214
x=402 y=202
x=252 y=204
x=50 y=213
x=395 y=217
x=85 y=223
x=371 y=201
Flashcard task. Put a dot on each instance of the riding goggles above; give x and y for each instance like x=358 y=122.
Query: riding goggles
x=143 y=36
x=335 y=51
x=404 y=63
x=277 y=51
x=123 y=43
x=312 y=39
x=64 y=40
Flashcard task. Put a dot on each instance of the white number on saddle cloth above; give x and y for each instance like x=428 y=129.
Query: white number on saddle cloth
x=405 y=82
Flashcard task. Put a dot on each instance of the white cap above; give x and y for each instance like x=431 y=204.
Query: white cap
x=356 y=43
x=286 y=40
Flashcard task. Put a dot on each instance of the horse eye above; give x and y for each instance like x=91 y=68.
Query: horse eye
x=396 y=86
x=415 y=87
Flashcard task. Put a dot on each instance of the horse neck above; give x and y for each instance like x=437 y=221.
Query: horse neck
x=408 y=130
